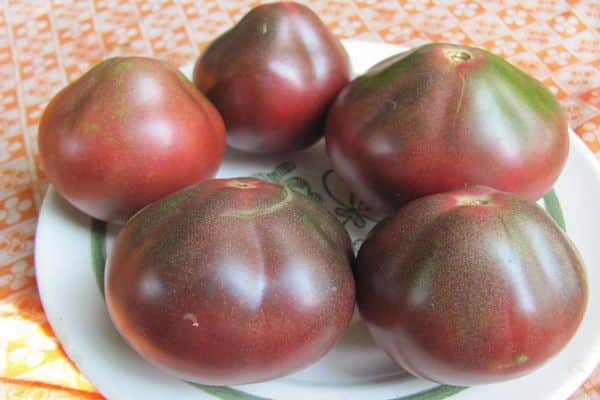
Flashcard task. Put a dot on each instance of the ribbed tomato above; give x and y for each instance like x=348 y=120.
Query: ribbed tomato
x=128 y=132
x=231 y=281
x=470 y=286
x=443 y=116
x=273 y=77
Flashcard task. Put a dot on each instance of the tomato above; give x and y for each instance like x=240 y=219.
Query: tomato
x=126 y=133
x=231 y=281
x=440 y=117
x=470 y=286
x=273 y=77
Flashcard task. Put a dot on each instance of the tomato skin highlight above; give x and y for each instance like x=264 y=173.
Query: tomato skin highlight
x=231 y=281
x=470 y=286
x=273 y=77
x=126 y=133
x=440 y=117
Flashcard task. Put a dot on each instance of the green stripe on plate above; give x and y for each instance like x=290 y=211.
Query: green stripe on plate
x=226 y=393
x=98 y=251
x=553 y=208
x=437 y=393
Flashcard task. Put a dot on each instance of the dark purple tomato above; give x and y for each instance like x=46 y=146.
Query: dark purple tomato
x=443 y=116
x=273 y=77
x=231 y=281
x=470 y=286
x=128 y=132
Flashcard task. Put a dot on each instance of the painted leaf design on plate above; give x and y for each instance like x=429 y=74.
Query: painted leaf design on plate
x=349 y=207
x=281 y=176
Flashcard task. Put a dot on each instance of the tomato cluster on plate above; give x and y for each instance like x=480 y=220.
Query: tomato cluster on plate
x=230 y=281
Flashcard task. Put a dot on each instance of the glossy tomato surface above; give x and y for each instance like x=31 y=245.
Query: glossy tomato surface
x=126 y=133
x=231 y=281
x=443 y=116
x=273 y=77
x=471 y=286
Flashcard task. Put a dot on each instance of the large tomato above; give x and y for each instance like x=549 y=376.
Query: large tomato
x=128 y=132
x=443 y=116
x=470 y=286
x=231 y=281
x=273 y=77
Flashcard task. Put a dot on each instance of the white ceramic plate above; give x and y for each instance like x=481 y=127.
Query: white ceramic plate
x=70 y=250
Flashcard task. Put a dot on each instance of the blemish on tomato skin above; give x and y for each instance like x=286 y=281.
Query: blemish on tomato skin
x=191 y=317
x=477 y=201
x=458 y=55
x=518 y=360
x=89 y=129
x=242 y=184
x=286 y=196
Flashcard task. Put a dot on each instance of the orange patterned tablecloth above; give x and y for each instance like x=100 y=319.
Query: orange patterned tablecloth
x=45 y=44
